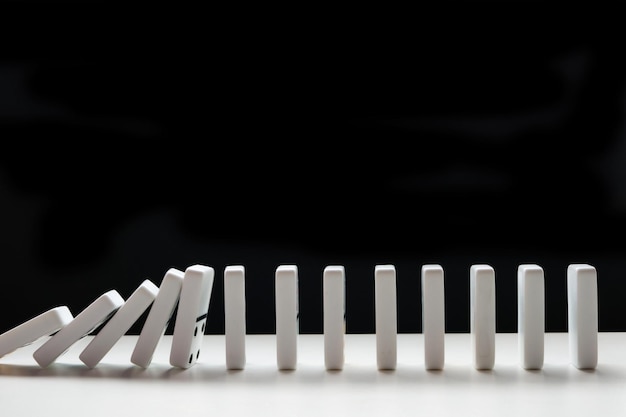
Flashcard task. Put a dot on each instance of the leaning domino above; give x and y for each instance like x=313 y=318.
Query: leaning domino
x=191 y=316
x=32 y=330
x=96 y=313
x=158 y=318
x=124 y=318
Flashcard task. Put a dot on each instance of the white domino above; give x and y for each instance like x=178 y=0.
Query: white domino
x=386 y=317
x=191 y=316
x=334 y=316
x=530 y=315
x=158 y=319
x=96 y=313
x=433 y=316
x=582 y=310
x=287 y=320
x=118 y=325
x=34 y=329
x=483 y=316
x=235 y=316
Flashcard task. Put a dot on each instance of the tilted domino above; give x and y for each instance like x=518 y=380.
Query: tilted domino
x=118 y=325
x=34 y=329
x=191 y=316
x=158 y=318
x=96 y=313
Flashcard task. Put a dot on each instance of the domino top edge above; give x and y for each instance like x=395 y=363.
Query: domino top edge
x=481 y=268
x=385 y=268
x=334 y=269
x=235 y=268
x=580 y=267
x=148 y=288
x=529 y=267
x=287 y=269
x=200 y=270
x=431 y=267
x=113 y=298
x=174 y=271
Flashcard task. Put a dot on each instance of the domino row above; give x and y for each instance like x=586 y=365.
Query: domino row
x=188 y=293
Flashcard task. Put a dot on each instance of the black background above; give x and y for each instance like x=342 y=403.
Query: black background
x=461 y=139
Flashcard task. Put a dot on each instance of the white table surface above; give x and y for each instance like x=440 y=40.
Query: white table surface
x=116 y=387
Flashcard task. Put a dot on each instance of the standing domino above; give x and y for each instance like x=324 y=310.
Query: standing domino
x=191 y=316
x=433 y=316
x=530 y=315
x=158 y=318
x=124 y=318
x=287 y=320
x=334 y=316
x=386 y=316
x=84 y=323
x=235 y=316
x=34 y=329
x=483 y=316
x=582 y=310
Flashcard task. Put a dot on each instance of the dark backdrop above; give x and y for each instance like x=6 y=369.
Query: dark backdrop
x=456 y=147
